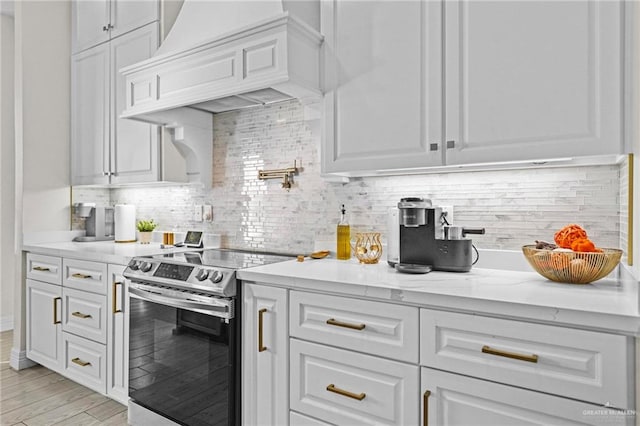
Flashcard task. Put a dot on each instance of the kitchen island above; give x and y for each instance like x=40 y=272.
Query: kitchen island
x=364 y=344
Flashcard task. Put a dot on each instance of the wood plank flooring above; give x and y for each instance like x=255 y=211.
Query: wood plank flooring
x=38 y=397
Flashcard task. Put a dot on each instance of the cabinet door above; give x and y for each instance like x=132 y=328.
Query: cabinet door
x=127 y=15
x=117 y=343
x=44 y=324
x=134 y=144
x=89 y=23
x=90 y=116
x=529 y=80
x=452 y=399
x=265 y=359
x=383 y=103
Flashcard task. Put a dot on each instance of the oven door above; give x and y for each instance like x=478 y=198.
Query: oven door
x=182 y=358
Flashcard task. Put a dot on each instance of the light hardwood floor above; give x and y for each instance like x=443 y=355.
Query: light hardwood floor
x=38 y=396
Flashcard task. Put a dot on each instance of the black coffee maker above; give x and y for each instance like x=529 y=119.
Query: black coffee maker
x=427 y=241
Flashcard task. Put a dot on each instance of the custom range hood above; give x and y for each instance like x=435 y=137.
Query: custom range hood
x=222 y=55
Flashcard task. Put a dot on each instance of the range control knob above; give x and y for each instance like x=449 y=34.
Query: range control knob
x=145 y=266
x=215 y=276
x=202 y=275
x=134 y=265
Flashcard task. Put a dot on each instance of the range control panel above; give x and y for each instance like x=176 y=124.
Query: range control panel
x=208 y=279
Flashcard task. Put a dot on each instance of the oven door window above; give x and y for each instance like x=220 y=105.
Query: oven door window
x=181 y=363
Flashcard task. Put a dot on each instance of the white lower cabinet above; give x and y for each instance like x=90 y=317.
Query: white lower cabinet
x=451 y=399
x=76 y=322
x=362 y=362
x=44 y=324
x=85 y=314
x=265 y=357
x=85 y=362
x=117 y=335
x=345 y=387
x=297 y=419
x=584 y=365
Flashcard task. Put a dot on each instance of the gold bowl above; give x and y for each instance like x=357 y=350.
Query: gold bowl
x=572 y=267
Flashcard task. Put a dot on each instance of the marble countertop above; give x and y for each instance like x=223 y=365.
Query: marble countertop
x=101 y=251
x=610 y=304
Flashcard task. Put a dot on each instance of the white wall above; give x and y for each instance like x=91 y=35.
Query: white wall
x=7 y=171
x=42 y=109
x=45 y=31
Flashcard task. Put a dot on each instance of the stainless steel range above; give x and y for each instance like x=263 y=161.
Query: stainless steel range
x=184 y=336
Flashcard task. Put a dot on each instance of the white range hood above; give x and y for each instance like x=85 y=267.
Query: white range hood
x=223 y=55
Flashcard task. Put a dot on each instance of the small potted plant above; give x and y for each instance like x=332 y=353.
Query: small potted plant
x=145 y=230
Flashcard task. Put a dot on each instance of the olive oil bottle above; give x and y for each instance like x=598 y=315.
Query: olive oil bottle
x=343 y=251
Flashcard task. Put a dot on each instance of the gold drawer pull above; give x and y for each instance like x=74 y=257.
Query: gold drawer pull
x=522 y=357
x=261 y=347
x=334 y=389
x=80 y=362
x=79 y=275
x=80 y=315
x=41 y=268
x=114 y=303
x=332 y=321
x=55 y=310
x=425 y=408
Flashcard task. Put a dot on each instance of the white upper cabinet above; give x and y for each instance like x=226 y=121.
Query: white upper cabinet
x=134 y=144
x=528 y=80
x=106 y=149
x=97 y=21
x=90 y=24
x=382 y=85
x=90 y=116
x=417 y=84
x=127 y=15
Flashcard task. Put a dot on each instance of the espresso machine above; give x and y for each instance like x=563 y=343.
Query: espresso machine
x=99 y=222
x=424 y=241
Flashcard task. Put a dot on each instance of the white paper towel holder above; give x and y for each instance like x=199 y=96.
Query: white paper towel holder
x=125 y=223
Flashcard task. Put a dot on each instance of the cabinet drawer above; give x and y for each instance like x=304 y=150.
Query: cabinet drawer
x=579 y=364
x=459 y=400
x=85 y=314
x=83 y=275
x=372 y=327
x=297 y=419
x=44 y=268
x=85 y=362
x=347 y=388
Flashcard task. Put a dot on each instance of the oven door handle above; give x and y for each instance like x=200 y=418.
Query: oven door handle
x=220 y=309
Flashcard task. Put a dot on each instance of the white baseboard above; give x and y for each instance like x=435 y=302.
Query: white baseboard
x=6 y=323
x=19 y=360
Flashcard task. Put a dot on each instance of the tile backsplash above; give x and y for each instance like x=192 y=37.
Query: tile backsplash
x=515 y=207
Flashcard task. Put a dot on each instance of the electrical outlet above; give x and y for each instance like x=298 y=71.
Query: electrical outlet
x=448 y=212
x=207 y=213
x=197 y=213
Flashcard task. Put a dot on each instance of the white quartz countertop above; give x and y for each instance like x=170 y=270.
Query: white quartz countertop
x=610 y=304
x=101 y=251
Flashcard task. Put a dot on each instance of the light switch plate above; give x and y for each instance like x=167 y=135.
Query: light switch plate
x=197 y=213
x=207 y=213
